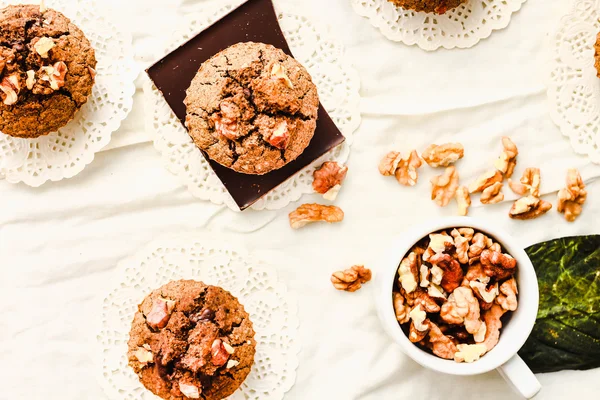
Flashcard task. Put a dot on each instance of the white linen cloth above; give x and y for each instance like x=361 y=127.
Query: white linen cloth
x=59 y=244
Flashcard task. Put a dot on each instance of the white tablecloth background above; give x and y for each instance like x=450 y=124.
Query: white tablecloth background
x=59 y=244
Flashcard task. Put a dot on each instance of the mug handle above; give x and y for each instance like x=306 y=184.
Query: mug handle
x=520 y=378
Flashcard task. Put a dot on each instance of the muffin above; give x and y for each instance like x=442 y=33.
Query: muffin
x=252 y=108
x=597 y=54
x=189 y=340
x=434 y=6
x=46 y=70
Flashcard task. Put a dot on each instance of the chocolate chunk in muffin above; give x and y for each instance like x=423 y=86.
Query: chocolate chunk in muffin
x=47 y=70
x=189 y=340
x=434 y=6
x=252 y=108
x=597 y=54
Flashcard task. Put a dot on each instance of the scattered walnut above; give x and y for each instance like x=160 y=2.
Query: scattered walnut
x=144 y=355
x=189 y=391
x=572 y=197
x=406 y=173
x=444 y=155
x=30 y=79
x=280 y=136
x=43 y=46
x=328 y=179
x=485 y=181
x=498 y=265
x=402 y=310
x=493 y=324
x=442 y=345
x=453 y=273
x=508 y=299
x=508 y=160
x=530 y=183
x=219 y=353
x=159 y=315
x=408 y=272
x=351 y=279
x=278 y=72
x=529 y=207
x=444 y=186
x=463 y=198
x=492 y=194
x=469 y=352
x=10 y=88
x=308 y=213
x=389 y=163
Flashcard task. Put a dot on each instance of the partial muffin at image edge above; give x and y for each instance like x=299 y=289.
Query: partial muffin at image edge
x=47 y=70
x=597 y=54
x=190 y=340
x=430 y=6
x=252 y=108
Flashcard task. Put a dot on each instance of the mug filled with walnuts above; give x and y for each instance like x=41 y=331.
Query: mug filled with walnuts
x=460 y=297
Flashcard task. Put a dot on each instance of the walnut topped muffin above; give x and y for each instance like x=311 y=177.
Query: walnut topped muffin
x=434 y=6
x=597 y=54
x=189 y=340
x=47 y=70
x=252 y=108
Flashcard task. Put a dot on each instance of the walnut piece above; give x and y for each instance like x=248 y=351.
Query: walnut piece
x=389 y=163
x=508 y=299
x=328 y=179
x=497 y=265
x=442 y=345
x=444 y=187
x=10 y=88
x=461 y=244
x=469 y=352
x=444 y=155
x=508 y=159
x=572 y=197
x=529 y=207
x=30 y=79
x=424 y=276
x=426 y=302
x=219 y=353
x=437 y=274
x=481 y=290
x=401 y=308
x=492 y=194
x=463 y=198
x=232 y=364
x=351 y=279
x=159 y=315
x=54 y=75
x=280 y=136
x=419 y=326
x=493 y=324
x=462 y=307
x=308 y=213
x=435 y=291
x=408 y=273
x=407 y=171
x=438 y=243
x=43 y=46
x=529 y=183
x=453 y=273
x=278 y=72
x=226 y=120
x=189 y=391
x=144 y=355
x=485 y=181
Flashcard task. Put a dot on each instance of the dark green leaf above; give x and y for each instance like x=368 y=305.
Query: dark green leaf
x=567 y=331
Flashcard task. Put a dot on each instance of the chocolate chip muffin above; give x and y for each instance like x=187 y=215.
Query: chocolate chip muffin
x=46 y=70
x=433 y=6
x=189 y=340
x=597 y=54
x=252 y=108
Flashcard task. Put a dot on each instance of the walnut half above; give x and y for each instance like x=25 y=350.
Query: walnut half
x=572 y=197
x=352 y=279
x=444 y=155
x=308 y=213
x=529 y=207
x=444 y=186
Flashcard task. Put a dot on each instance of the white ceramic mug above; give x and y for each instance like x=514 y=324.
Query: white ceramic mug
x=512 y=336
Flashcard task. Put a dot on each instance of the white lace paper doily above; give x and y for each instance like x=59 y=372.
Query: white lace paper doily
x=336 y=80
x=63 y=154
x=461 y=27
x=573 y=87
x=272 y=308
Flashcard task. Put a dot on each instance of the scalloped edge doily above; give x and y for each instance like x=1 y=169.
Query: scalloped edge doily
x=426 y=42
x=112 y=125
x=218 y=195
x=552 y=88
